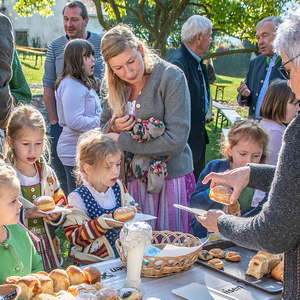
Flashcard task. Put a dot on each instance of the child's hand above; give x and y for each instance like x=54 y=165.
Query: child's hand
x=60 y=202
x=139 y=210
x=52 y=217
x=32 y=213
x=226 y=211
x=112 y=223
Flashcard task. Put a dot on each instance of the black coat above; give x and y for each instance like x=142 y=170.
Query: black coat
x=255 y=79
x=185 y=61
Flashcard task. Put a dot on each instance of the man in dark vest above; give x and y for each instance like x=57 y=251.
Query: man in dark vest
x=262 y=69
x=196 y=34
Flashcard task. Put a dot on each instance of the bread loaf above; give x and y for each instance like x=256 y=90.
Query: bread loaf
x=258 y=266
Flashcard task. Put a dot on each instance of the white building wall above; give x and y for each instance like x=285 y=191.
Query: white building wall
x=46 y=28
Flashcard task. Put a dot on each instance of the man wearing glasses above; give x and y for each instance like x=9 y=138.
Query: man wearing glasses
x=262 y=69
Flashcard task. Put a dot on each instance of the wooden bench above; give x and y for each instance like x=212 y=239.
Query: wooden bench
x=30 y=50
x=219 y=88
x=225 y=114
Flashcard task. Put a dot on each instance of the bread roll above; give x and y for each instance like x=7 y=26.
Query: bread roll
x=76 y=275
x=29 y=285
x=108 y=294
x=60 y=279
x=125 y=213
x=42 y=273
x=76 y=290
x=220 y=194
x=44 y=203
x=217 y=252
x=91 y=275
x=130 y=294
x=64 y=295
x=232 y=256
x=87 y=296
x=101 y=285
x=216 y=263
x=205 y=255
x=277 y=272
x=258 y=266
x=47 y=286
x=273 y=260
x=12 y=280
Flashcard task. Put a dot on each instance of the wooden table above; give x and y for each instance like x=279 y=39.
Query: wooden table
x=161 y=288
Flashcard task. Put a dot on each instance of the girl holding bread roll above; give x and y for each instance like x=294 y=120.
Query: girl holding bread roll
x=17 y=252
x=246 y=143
x=26 y=142
x=100 y=194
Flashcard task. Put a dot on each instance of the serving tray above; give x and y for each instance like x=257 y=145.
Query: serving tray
x=237 y=270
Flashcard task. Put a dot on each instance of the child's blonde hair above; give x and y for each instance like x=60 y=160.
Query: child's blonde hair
x=94 y=148
x=24 y=120
x=246 y=129
x=7 y=175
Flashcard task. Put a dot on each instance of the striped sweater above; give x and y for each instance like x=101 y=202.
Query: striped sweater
x=88 y=236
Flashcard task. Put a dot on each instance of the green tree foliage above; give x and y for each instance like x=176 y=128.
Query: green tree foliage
x=163 y=19
x=27 y=8
x=158 y=22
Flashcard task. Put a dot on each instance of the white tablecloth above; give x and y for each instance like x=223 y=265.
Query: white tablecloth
x=162 y=287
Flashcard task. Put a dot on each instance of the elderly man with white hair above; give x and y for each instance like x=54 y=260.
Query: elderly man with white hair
x=196 y=36
x=277 y=228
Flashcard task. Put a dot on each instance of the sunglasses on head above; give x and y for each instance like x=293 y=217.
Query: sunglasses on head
x=285 y=73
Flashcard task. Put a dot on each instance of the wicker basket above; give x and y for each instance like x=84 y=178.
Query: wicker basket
x=168 y=265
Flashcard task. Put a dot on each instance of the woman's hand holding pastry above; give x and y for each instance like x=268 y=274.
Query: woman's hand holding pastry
x=210 y=220
x=236 y=178
x=112 y=223
x=123 y=124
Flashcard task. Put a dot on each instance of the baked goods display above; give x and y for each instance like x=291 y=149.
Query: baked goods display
x=216 y=263
x=56 y=286
x=44 y=203
x=221 y=194
x=232 y=256
x=217 y=253
x=277 y=272
x=205 y=255
x=262 y=263
x=124 y=214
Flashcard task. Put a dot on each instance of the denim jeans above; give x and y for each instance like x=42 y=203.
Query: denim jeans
x=55 y=131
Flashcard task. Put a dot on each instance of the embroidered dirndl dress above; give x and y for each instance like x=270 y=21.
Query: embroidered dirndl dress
x=37 y=227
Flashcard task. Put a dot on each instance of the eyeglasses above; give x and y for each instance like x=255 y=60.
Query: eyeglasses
x=286 y=73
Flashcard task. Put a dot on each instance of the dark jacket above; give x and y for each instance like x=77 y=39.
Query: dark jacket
x=6 y=57
x=255 y=79
x=185 y=61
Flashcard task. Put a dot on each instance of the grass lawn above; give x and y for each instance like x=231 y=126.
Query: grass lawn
x=34 y=75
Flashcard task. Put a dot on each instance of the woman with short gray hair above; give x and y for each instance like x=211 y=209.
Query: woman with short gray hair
x=277 y=228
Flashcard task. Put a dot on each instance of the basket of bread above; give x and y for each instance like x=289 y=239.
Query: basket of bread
x=154 y=266
x=69 y=284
